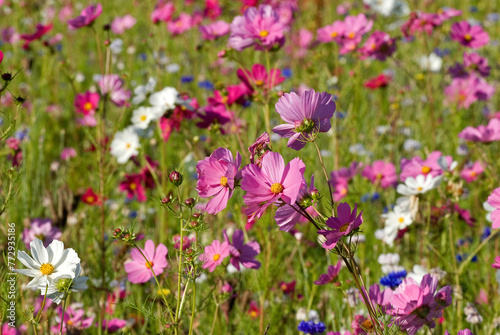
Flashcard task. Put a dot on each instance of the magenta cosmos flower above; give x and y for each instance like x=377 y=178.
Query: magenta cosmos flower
x=485 y=134
x=461 y=332
x=259 y=148
x=87 y=103
x=331 y=274
x=214 y=30
x=43 y=230
x=415 y=305
x=305 y=115
x=260 y=27
x=112 y=85
x=120 y=24
x=271 y=182
x=333 y=32
x=342 y=225
x=87 y=17
x=496 y=264
x=73 y=318
x=132 y=185
x=381 y=172
x=68 y=153
x=494 y=201
x=379 y=46
x=259 y=79
x=183 y=23
x=214 y=255
x=472 y=173
x=163 y=12
x=381 y=298
x=140 y=270
x=477 y=63
x=470 y=36
x=217 y=176
x=242 y=253
x=40 y=31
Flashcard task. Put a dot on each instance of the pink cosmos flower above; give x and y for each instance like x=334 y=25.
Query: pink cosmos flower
x=242 y=253
x=340 y=179
x=259 y=148
x=415 y=305
x=9 y=35
x=305 y=115
x=8 y=330
x=381 y=298
x=87 y=17
x=381 y=172
x=40 y=31
x=303 y=40
x=140 y=270
x=214 y=255
x=420 y=21
x=212 y=9
x=259 y=27
x=111 y=84
x=417 y=166
x=470 y=36
x=120 y=24
x=379 y=46
x=65 y=13
x=477 y=63
x=73 y=317
x=271 y=182
x=113 y=325
x=258 y=79
x=233 y=94
x=163 y=12
x=496 y=264
x=217 y=176
x=214 y=30
x=355 y=28
x=41 y=229
x=380 y=81
x=342 y=225
x=461 y=332
x=485 y=134
x=133 y=186
x=87 y=103
x=330 y=275
x=472 y=173
x=183 y=23
x=68 y=153
x=494 y=201
x=333 y=32
x=1 y=57
x=214 y=116
x=465 y=91
x=361 y=324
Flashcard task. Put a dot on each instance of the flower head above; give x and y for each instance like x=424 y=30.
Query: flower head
x=41 y=229
x=242 y=253
x=496 y=264
x=111 y=84
x=140 y=269
x=120 y=24
x=470 y=36
x=87 y=17
x=419 y=185
x=485 y=134
x=381 y=172
x=331 y=274
x=133 y=186
x=214 y=255
x=258 y=79
x=125 y=144
x=494 y=201
x=342 y=225
x=62 y=285
x=214 y=30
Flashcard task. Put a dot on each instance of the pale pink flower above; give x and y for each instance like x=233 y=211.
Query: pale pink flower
x=140 y=270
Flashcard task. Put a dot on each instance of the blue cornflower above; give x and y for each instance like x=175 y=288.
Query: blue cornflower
x=375 y=196
x=186 y=79
x=393 y=279
x=21 y=134
x=365 y=197
x=206 y=85
x=486 y=233
x=287 y=72
x=309 y=327
x=442 y=52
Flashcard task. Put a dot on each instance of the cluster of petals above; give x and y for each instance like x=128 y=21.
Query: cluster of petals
x=242 y=253
x=214 y=255
x=463 y=92
x=470 y=36
x=331 y=274
x=347 y=34
x=485 y=134
x=418 y=166
x=379 y=46
x=87 y=17
x=112 y=85
x=343 y=224
x=259 y=79
x=381 y=172
x=494 y=201
x=41 y=229
x=214 y=30
x=146 y=263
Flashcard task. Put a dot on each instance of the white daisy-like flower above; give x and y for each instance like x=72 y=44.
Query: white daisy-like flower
x=418 y=272
x=61 y=286
x=389 y=7
x=142 y=91
x=419 y=185
x=164 y=99
x=395 y=221
x=389 y=263
x=141 y=117
x=125 y=144
x=431 y=63
x=490 y=209
x=48 y=263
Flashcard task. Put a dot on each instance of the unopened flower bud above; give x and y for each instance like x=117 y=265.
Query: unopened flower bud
x=190 y=202
x=176 y=178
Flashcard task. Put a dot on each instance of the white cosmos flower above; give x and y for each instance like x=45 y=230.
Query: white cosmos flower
x=490 y=209
x=431 y=63
x=418 y=185
x=418 y=273
x=141 y=117
x=61 y=286
x=164 y=100
x=396 y=220
x=142 y=91
x=125 y=144
x=389 y=263
x=48 y=263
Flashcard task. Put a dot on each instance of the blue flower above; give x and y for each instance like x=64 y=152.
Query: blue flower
x=393 y=279
x=486 y=233
x=309 y=327
x=206 y=85
x=442 y=52
x=365 y=197
x=187 y=79
x=375 y=196
x=287 y=72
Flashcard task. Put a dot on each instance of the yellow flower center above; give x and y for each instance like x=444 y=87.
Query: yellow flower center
x=283 y=287
x=467 y=37
x=472 y=174
x=259 y=82
x=379 y=176
x=367 y=324
x=263 y=33
x=462 y=97
x=216 y=257
x=419 y=188
x=69 y=322
x=128 y=145
x=334 y=34
x=223 y=181
x=90 y=199
x=133 y=186
x=344 y=227
x=143 y=117
x=47 y=269
x=87 y=106
x=351 y=35
x=253 y=314
x=276 y=188
x=426 y=169
x=149 y=265
x=343 y=191
x=401 y=220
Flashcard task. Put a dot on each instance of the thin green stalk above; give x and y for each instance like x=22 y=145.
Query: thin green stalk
x=215 y=319
x=180 y=265
x=324 y=171
x=193 y=308
x=62 y=316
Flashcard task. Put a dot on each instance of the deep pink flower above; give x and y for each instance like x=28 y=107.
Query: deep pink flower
x=345 y=222
x=111 y=84
x=420 y=21
x=379 y=46
x=271 y=182
x=461 y=332
x=9 y=35
x=381 y=298
x=259 y=27
x=470 y=36
x=214 y=30
x=485 y=134
x=217 y=176
x=259 y=148
x=212 y=9
x=242 y=253
x=414 y=305
x=87 y=17
x=333 y=32
x=8 y=330
x=40 y=31
x=344 y=175
x=68 y=153
x=496 y=264
x=72 y=317
x=258 y=79
x=233 y=94
x=477 y=63
x=120 y=24
x=140 y=270
x=41 y=229
x=417 y=166
x=113 y=325
x=183 y=23
x=330 y=275
x=494 y=200
x=133 y=186
x=380 y=81
x=1 y=56
x=91 y=198
x=87 y=103
x=305 y=115
x=381 y=172
x=163 y=12
x=214 y=116
x=471 y=173
x=214 y=255
x=360 y=324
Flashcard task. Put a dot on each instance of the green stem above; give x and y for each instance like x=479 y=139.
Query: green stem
x=62 y=316
x=180 y=266
x=215 y=318
x=193 y=308
x=324 y=171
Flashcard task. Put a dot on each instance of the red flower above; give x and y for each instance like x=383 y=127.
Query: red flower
x=40 y=31
x=91 y=198
x=379 y=81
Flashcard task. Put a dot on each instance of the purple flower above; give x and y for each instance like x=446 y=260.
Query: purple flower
x=477 y=63
x=470 y=36
x=259 y=27
x=485 y=134
x=342 y=225
x=242 y=253
x=111 y=84
x=382 y=299
x=259 y=148
x=379 y=46
x=305 y=116
x=214 y=116
x=41 y=229
x=330 y=275
x=87 y=16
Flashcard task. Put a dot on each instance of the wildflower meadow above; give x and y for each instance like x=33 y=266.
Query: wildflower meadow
x=250 y=167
